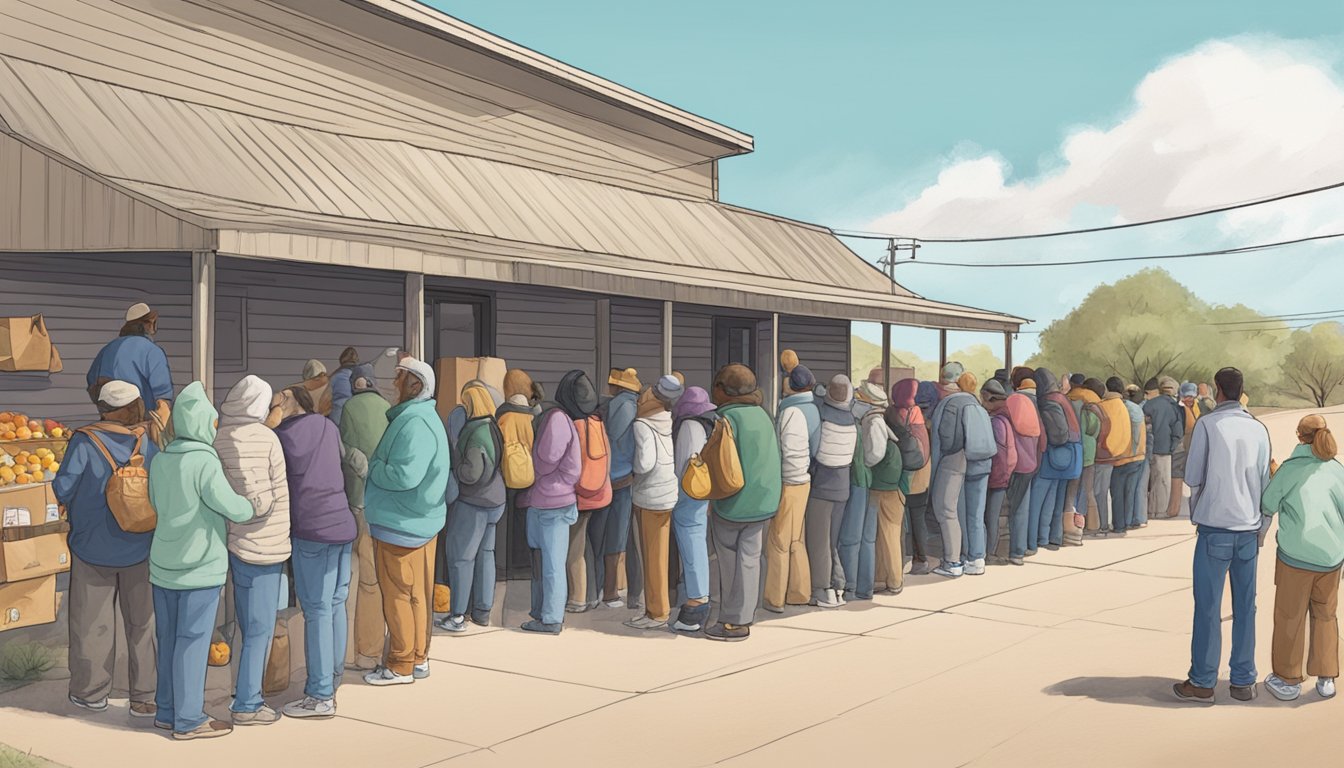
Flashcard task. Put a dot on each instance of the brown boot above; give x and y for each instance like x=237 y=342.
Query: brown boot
x=1188 y=691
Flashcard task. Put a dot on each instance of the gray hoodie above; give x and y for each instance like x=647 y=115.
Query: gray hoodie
x=255 y=467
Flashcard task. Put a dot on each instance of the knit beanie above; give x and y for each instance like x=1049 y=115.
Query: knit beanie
x=801 y=379
x=952 y=371
x=1188 y=389
x=840 y=392
x=312 y=369
x=627 y=379
x=871 y=393
x=668 y=389
x=788 y=360
x=967 y=382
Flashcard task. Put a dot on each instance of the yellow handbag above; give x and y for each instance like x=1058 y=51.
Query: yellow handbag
x=716 y=472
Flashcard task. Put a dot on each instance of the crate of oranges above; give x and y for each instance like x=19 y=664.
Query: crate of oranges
x=44 y=440
x=25 y=467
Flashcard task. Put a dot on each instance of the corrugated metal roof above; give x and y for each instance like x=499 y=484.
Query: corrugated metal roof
x=252 y=171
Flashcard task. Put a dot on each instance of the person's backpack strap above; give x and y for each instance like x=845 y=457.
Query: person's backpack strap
x=498 y=437
x=102 y=448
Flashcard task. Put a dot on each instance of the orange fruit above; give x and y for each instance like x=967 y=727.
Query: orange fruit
x=35 y=459
x=23 y=478
x=35 y=425
x=55 y=467
x=7 y=475
x=23 y=433
x=38 y=475
x=6 y=417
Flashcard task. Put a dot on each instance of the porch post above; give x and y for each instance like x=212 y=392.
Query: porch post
x=774 y=363
x=942 y=349
x=415 y=315
x=203 y=319
x=886 y=356
x=602 y=335
x=667 y=338
x=1008 y=350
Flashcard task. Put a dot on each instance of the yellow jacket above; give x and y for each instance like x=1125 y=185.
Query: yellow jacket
x=1116 y=433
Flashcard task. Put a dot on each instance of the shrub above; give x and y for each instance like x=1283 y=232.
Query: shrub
x=24 y=662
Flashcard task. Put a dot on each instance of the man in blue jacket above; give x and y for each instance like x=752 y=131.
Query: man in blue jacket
x=620 y=415
x=109 y=567
x=133 y=357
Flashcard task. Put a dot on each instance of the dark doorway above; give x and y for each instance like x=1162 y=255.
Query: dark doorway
x=734 y=341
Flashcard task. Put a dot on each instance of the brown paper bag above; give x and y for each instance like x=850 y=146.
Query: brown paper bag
x=25 y=345
x=276 y=679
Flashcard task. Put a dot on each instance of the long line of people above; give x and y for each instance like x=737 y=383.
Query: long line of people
x=686 y=493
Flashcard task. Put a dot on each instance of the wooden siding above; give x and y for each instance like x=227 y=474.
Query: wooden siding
x=83 y=299
x=46 y=205
x=693 y=344
x=547 y=333
x=637 y=337
x=822 y=345
x=295 y=312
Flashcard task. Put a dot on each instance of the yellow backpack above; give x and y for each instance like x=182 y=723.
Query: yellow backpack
x=516 y=464
x=716 y=471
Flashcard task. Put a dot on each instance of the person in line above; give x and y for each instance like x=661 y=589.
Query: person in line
x=577 y=396
x=1136 y=493
x=385 y=372
x=1227 y=472
x=692 y=422
x=342 y=382
x=254 y=464
x=472 y=517
x=655 y=495
x=1026 y=418
x=947 y=379
x=980 y=451
x=322 y=530
x=738 y=522
x=1204 y=399
x=318 y=383
x=1119 y=443
x=787 y=571
x=1062 y=461
x=904 y=412
x=552 y=509
x=188 y=562
x=363 y=422
x=404 y=503
x=1190 y=413
x=109 y=568
x=962 y=449
x=995 y=399
x=858 y=528
x=135 y=358
x=1165 y=415
x=1085 y=396
x=883 y=483
x=621 y=410
x=516 y=417
x=1307 y=495
x=830 y=490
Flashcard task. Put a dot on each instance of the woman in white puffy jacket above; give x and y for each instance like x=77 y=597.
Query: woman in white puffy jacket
x=655 y=494
x=255 y=467
x=829 y=495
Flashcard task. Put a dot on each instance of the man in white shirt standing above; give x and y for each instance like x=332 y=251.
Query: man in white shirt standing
x=1227 y=469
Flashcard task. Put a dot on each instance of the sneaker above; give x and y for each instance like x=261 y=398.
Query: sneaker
x=208 y=730
x=575 y=607
x=1031 y=553
x=617 y=603
x=1052 y=546
x=421 y=671
x=383 y=676
x=1070 y=542
x=144 y=709
x=920 y=568
x=827 y=599
x=93 y=706
x=1325 y=686
x=1188 y=691
x=480 y=619
x=975 y=567
x=1015 y=560
x=1119 y=532
x=691 y=618
x=908 y=566
x=542 y=627
x=645 y=622
x=772 y=608
x=162 y=726
x=1282 y=690
x=1244 y=692
x=453 y=624
x=264 y=716
x=949 y=570
x=311 y=708
x=728 y=633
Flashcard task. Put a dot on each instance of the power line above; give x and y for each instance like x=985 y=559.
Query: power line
x=861 y=235
x=1268 y=330
x=1317 y=316
x=1084 y=262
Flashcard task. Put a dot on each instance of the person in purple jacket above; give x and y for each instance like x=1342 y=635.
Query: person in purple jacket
x=322 y=527
x=552 y=507
x=995 y=397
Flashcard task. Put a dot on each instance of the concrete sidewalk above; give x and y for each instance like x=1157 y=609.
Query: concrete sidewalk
x=1068 y=660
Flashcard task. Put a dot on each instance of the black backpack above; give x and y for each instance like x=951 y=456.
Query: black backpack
x=912 y=452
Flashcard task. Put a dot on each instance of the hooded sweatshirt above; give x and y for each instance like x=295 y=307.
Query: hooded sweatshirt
x=903 y=396
x=319 y=509
x=1005 y=460
x=408 y=476
x=1308 y=496
x=655 y=463
x=194 y=501
x=799 y=428
x=835 y=448
x=577 y=397
x=476 y=450
x=1026 y=422
x=557 y=462
x=1063 y=458
x=959 y=418
x=254 y=464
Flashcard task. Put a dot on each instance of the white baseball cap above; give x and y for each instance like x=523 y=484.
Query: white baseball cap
x=137 y=311
x=421 y=371
x=118 y=394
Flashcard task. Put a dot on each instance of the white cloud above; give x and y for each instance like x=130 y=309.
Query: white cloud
x=1227 y=122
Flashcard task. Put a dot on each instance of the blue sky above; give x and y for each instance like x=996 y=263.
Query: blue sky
x=858 y=107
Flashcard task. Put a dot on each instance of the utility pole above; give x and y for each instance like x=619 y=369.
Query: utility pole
x=889 y=265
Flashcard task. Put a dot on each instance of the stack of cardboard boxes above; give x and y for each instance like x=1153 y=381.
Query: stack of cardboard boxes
x=32 y=551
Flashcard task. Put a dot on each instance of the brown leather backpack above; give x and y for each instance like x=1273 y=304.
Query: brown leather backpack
x=128 y=488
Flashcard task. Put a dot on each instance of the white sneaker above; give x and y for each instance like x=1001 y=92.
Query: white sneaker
x=617 y=603
x=455 y=624
x=310 y=707
x=421 y=671
x=1325 y=686
x=974 y=567
x=948 y=571
x=644 y=622
x=827 y=600
x=384 y=676
x=1282 y=690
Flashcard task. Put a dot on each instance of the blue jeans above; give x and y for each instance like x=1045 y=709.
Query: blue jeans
x=548 y=536
x=1039 y=509
x=1218 y=554
x=256 y=598
x=1052 y=515
x=184 y=620
x=1019 y=491
x=690 y=522
x=470 y=556
x=993 y=507
x=615 y=537
x=322 y=584
x=1102 y=478
x=971 y=515
x=1138 y=494
x=858 y=543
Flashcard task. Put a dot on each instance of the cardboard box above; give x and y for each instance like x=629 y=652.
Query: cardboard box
x=31 y=558
x=452 y=373
x=28 y=603
x=31 y=504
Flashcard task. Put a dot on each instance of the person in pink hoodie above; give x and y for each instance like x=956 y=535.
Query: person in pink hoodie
x=552 y=509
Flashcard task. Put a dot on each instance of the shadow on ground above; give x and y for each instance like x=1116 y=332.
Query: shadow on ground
x=1156 y=692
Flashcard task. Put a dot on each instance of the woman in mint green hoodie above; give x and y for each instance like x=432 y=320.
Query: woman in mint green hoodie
x=188 y=561
x=1307 y=493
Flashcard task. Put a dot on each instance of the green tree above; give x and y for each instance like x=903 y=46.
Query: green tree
x=1315 y=363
